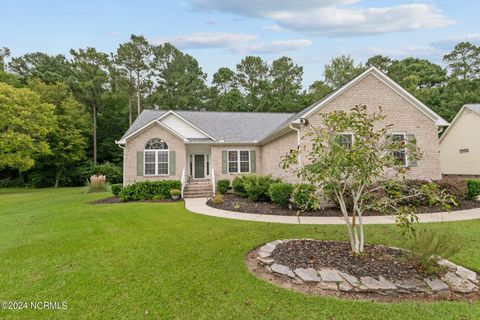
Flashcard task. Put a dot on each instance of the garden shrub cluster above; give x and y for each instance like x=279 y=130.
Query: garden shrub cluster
x=473 y=189
x=281 y=193
x=265 y=188
x=223 y=185
x=116 y=188
x=149 y=190
x=304 y=197
x=253 y=187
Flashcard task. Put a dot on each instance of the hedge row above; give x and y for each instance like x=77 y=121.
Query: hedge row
x=147 y=190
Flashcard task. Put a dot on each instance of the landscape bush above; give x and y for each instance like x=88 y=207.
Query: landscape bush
x=149 y=190
x=116 y=188
x=175 y=193
x=280 y=193
x=238 y=185
x=257 y=187
x=97 y=183
x=110 y=170
x=223 y=185
x=456 y=187
x=473 y=189
x=304 y=197
x=428 y=244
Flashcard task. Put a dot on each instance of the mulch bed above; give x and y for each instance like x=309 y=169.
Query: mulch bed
x=232 y=202
x=116 y=199
x=378 y=260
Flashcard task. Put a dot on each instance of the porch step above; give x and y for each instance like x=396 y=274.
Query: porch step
x=198 y=189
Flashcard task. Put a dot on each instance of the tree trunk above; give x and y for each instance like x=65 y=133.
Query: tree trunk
x=138 y=95
x=94 y=110
x=129 y=106
x=58 y=175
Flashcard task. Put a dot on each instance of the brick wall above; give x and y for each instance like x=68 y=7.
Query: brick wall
x=372 y=92
x=137 y=143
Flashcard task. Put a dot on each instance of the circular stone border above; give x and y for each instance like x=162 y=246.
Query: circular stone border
x=457 y=284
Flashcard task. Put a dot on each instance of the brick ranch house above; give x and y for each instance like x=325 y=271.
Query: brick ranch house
x=206 y=146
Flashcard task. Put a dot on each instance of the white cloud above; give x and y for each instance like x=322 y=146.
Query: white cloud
x=333 y=18
x=273 y=27
x=262 y=8
x=403 y=51
x=204 y=40
x=449 y=43
x=234 y=42
x=276 y=46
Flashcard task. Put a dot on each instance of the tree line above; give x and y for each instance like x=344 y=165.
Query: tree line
x=61 y=115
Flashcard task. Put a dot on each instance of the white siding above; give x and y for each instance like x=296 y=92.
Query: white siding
x=181 y=127
x=464 y=134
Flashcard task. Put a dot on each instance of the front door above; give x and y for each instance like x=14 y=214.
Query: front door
x=199 y=166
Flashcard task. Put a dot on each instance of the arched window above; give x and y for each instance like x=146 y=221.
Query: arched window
x=156 y=157
x=156 y=144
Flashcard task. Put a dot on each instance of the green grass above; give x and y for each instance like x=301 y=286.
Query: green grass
x=119 y=261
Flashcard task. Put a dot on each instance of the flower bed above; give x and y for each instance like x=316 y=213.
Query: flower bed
x=232 y=202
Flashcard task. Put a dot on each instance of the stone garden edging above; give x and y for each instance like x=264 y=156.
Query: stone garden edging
x=457 y=280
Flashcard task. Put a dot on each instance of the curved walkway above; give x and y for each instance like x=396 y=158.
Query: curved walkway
x=198 y=205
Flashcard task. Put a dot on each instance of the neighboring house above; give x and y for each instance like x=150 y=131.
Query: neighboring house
x=460 y=144
x=205 y=145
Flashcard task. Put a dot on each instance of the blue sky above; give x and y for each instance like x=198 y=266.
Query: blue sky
x=220 y=32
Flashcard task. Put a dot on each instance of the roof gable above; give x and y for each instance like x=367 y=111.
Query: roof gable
x=475 y=108
x=439 y=121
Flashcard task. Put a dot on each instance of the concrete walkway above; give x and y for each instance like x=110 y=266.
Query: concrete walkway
x=198 y=205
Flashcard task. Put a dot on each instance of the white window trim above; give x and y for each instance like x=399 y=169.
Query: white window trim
x=404 y=134
x=348 y=133
x=238 y=161
x=156 y=162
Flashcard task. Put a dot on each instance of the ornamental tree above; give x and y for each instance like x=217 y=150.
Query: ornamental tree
x=353 y=158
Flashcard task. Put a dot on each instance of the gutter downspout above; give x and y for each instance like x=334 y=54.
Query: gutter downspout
x=123 y=166
x=299 y=140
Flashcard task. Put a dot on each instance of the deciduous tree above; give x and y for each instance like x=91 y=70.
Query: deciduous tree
x=25 y=122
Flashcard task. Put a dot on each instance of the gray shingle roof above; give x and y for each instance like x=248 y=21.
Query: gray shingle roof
x=473 y=107
x=223 y=126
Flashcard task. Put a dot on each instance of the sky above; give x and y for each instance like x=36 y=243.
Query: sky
x=219 y=33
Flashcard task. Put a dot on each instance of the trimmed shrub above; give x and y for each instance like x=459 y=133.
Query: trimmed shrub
x=175 y=192
x=280 y=193
x=97 y=184
x=116 y=188
x=238 y=185
x=304 y=197
x=149 y=190
x=223 y=185
x=110 y=170
x=473 y=189
x=218 y=199
x=456 y=187
x=257 y=187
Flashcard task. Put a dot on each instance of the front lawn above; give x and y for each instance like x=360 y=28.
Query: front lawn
x=159 y=261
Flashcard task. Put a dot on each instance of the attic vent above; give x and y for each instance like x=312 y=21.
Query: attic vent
x=464 y=151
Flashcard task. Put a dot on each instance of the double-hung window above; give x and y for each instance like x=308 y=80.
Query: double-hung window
x=401 y=153
x=238 y=161
x=156 y=158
